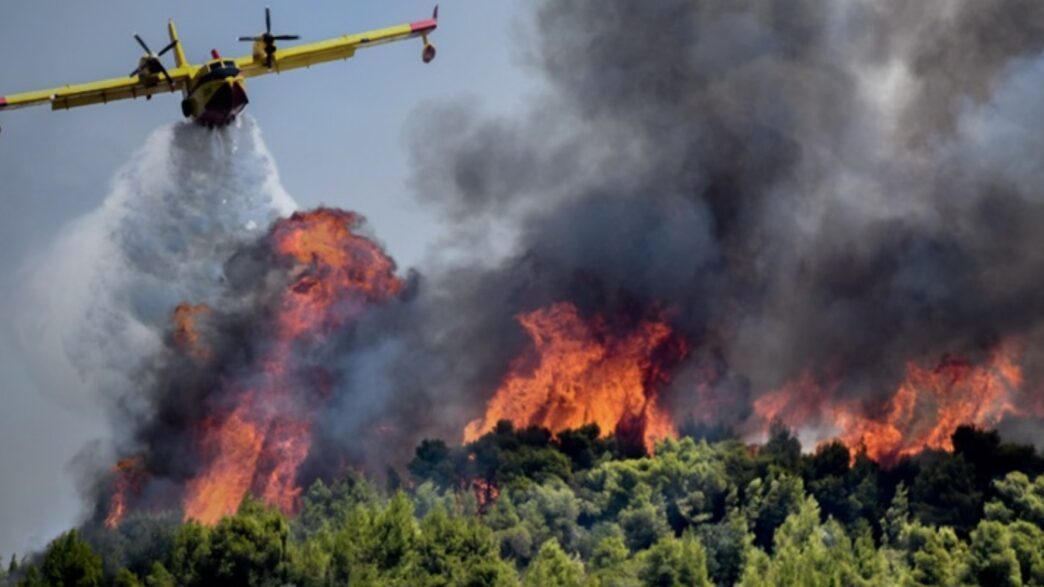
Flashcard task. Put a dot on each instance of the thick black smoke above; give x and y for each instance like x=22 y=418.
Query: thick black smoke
x=805 y=186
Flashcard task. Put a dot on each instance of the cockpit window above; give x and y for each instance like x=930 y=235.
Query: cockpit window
x=219 y=70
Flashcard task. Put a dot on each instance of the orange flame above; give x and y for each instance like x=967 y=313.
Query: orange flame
x=922 y=413
x=236 y=446
x=129 y=476
x=486 y=493
x=578 y=373
x=262 y=442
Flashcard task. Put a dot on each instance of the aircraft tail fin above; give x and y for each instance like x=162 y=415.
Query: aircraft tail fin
x=179 y=52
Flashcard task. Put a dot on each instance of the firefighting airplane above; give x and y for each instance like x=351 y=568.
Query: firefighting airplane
x=214 y=93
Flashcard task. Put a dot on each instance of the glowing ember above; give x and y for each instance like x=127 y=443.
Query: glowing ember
x=261 y=443
x=129 y=476
x=923 y=412
x=486 y=494
x=579 y=372
x=186 y=329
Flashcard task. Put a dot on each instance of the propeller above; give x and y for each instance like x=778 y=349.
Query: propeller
x=269 y=39
x=152 y=59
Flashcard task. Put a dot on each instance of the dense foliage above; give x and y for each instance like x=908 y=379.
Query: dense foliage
x=521 y=507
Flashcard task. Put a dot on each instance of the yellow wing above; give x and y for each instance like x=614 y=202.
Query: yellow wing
x=99 y=92
x=335 y=49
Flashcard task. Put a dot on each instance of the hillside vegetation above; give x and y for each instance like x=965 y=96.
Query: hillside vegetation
x=520 y=507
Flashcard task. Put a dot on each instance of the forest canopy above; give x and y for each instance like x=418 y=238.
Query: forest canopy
x=523 y=507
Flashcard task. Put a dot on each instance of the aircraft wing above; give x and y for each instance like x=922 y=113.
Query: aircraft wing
x=99 y=92
x=333 y=49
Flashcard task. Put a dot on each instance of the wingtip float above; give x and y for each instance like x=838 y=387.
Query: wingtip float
x=214 y=92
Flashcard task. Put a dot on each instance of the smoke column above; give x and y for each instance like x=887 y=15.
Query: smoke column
x=840 y=194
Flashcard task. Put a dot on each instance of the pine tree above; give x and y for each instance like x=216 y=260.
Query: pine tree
x=896 y=517
x=552 y=567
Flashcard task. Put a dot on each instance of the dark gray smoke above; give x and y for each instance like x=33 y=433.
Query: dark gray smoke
x=807 y=186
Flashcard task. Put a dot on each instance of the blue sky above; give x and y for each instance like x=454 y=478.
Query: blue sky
x=337 y=134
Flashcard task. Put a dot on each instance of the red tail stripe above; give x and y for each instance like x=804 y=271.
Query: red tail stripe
x=3 y=101
x=424 y=25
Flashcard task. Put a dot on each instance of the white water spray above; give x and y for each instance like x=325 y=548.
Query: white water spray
x=98 y=302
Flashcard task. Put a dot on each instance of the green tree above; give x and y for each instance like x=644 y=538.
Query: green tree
x=552 y=567
x=727 y=544
x=870 y=565
x=326 y=506
x=376 y=545
x=456 y=551
x=584 y=446
x=159 y=576
x=782 y=449
x=993 y=561
x=845 y=493
x=191 y=556
x=944 y=493
x=249 y=548
x=310 y=561
x=1028 y=542
x=549 y=510
x=770 y=501
x=125 y=578
x=395 y=531
x=433 y=461
x=1018 y=498
x=70 y=562
x=643 y=523
x=610 y=553
x=514 y=538
x=935 y=556
x=32 y=579
x=674 y=562
x=897 y=517
x=990 y=458
x=352 y=561
x=141 y=539
x=806 y=553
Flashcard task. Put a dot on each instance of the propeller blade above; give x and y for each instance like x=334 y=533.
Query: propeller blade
x=134 y=73
x=163 y=70
x=251 y=39
x=167 y=48
x=268 y=20
x=286 y=37
x=142 y=43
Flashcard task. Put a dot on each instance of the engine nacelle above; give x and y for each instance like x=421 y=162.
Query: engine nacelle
x=428 y=54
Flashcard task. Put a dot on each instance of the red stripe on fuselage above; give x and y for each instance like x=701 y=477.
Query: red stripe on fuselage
x=3 y=101
x=423 y=26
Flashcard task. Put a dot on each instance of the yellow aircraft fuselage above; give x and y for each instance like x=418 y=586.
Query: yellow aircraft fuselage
x=216 y=93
